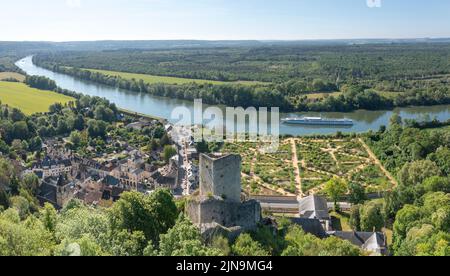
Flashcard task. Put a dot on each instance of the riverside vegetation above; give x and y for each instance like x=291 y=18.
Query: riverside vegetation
x=296 y=77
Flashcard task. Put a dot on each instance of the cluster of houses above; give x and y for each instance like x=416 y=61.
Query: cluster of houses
x=315 y=219
x=64 y=175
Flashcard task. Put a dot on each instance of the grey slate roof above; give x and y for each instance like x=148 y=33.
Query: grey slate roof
x=48 y=162
x=111 y=180
x=137 y=172
x=376 y=243
x=39 y=174
x=369 y=241
x=47 y=193
x=314 y=207
x=311 y=226
x=116 y=193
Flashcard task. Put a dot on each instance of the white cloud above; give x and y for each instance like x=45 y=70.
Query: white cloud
x=73 y=3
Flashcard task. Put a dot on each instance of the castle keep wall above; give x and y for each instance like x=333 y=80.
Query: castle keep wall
x=221 y=177
x=225 y=213
x=219 y=201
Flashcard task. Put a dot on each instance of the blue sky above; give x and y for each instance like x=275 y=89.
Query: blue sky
x=69 y=20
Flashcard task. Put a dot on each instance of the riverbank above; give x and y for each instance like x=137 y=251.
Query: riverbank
x=162 y=107
x=353 y=97
x=141 y=115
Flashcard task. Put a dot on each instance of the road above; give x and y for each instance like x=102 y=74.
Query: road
x=275 y=202
x=289 y=204
x=298 y=178
x=181 y=136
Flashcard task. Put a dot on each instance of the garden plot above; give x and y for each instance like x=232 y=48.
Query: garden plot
x=319 y=160
x=265 y=173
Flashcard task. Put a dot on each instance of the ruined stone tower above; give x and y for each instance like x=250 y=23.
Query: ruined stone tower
x=218 y=206
x=220 y=176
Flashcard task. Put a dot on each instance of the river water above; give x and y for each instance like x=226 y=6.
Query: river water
x=162 y=107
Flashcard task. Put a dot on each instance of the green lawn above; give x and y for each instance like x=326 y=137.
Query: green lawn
x=29 y=100
x=315 y=96
x=11 y=75
x=340 y=221
x=389 y=235
x=444 y=128
x=390 y=95
x=151 y=79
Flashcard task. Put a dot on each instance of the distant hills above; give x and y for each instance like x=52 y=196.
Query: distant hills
x=170 y=44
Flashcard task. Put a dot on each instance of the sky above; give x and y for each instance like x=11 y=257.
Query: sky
x=78 y=20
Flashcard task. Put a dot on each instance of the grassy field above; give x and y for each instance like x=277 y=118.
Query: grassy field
x=11 y=75
x=389 y=95
x=151 y=79
x=340 y=221
x=29 y=100
x=315 y=96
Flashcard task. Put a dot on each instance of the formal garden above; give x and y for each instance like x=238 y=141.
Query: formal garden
x=316 y=160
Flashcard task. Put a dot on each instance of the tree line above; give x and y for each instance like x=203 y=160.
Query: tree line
x=144 y=225
x=274 y=63
x=291 y=96
x=418 y=207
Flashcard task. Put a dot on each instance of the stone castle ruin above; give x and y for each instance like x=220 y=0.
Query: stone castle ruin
x=220 y=206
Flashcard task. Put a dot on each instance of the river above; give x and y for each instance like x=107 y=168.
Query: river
x=162 y=107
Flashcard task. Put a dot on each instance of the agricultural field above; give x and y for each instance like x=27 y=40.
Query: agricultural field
x=387 y=94
x=321 y=95
x=152 y=79
x=11 y=75
x=315 y=96
x=444 y=128
x=302 y=166
x=29 y=100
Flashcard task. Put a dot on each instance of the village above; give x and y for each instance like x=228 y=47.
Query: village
x=220 y=201
x=99 y=181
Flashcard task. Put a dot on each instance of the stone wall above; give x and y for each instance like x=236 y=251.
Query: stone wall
x=220 y=176
x=228 y=214
x=192 y=209
x=219 y=204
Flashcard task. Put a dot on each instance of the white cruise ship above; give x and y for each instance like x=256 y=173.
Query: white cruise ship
x=318 y=121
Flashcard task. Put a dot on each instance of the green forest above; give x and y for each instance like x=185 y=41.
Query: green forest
x=335 y=63
x=369 y=76
x=418 y=209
